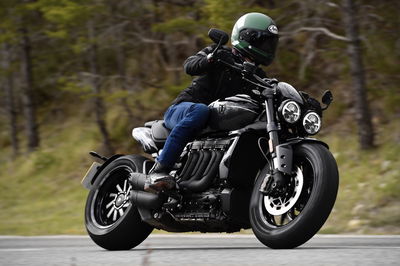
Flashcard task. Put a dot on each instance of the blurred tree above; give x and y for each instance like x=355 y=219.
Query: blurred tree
x=7 y=42
x=363 y=117
x=99 y=107
x=68 y=17
x=9 y=96
x=16 y=32
x=317 y=17
x=28 y=93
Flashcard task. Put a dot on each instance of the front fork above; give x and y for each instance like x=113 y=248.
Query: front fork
x=281 y=154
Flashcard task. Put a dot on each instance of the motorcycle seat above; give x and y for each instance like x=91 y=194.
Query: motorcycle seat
x=159 y=132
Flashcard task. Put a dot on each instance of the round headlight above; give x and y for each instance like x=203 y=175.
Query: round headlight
x=312 y=123
x=291 y=112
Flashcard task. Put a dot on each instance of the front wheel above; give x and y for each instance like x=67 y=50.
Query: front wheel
x=112 y=221
x=290 y=220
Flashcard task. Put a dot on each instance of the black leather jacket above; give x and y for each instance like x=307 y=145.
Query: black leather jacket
x=215 y=80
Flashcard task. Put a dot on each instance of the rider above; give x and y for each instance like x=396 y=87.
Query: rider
x=254 y=39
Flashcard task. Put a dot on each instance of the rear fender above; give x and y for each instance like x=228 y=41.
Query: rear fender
x=284 y=153
x=90 y=178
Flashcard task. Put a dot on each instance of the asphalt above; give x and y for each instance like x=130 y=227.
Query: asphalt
x=203 y=249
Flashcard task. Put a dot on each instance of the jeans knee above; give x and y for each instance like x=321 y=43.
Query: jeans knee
x=202 y=109
x=201 y=113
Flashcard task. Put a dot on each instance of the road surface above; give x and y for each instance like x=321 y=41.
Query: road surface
x=204 y=249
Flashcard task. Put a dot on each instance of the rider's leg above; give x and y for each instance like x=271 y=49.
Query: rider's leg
x=185 y=119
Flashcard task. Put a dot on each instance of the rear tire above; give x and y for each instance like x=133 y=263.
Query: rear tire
x=312 y=208
x=111 y=220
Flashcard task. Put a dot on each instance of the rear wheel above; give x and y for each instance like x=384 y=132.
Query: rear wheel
x=290 y=220
x=111 y=220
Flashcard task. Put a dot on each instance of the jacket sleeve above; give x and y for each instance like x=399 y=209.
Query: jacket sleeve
x=198 y=64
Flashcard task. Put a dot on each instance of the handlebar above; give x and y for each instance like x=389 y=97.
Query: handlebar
x=247 y=73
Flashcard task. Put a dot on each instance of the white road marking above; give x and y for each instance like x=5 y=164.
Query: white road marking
x=20 y=249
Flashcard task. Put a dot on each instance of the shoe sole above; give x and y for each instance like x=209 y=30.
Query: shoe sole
x=159 y=186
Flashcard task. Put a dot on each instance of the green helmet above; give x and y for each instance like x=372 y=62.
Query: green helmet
x=255 y=35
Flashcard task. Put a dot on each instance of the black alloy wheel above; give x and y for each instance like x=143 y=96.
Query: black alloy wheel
x=112 y=221
x=111 y=200
x=292 y=219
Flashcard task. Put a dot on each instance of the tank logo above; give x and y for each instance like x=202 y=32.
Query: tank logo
x=221 y=109
x=273 y=29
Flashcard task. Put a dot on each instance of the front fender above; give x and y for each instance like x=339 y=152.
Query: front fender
x=284 y=153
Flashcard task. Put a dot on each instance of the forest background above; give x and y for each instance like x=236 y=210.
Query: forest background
x=77 y=76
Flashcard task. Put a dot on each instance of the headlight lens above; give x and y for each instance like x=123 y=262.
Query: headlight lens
x=312 y=123
x=291 y=112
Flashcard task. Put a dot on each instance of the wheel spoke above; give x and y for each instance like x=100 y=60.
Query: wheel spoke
x=125 y=184
x=270 y=218
x=283 y=216
x=291 y=215
x=112 y=195
x=109 y=204
x=119 y=188
x=115 y=215
x=129 y=190
x=110 y=212
x=121 y=212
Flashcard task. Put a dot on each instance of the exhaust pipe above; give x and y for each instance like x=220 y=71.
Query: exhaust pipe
x=147 y=200
x=141 y=198
x=138 y=181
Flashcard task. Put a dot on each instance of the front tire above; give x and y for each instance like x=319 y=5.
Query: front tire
x=111 y=220
x=317 y=181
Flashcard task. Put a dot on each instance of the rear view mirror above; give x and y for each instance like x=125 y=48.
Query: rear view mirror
x=218 y=36
x=327 y=98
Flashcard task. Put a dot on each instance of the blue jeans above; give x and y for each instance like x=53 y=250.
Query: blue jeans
x=185 y=119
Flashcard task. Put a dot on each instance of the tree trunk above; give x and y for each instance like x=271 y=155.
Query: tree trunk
x=99 y=107
x=9 y=98
x=121 y=65
x=363 y=117
x=28 y=91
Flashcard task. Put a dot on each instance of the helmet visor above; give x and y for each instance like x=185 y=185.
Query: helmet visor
x=263 y=40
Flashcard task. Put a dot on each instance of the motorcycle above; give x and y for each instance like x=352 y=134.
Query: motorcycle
x=254 y=166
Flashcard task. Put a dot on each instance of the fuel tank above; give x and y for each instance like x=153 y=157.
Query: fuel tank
x=233 y=112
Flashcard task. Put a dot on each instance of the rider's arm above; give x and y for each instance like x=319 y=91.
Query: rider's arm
x=198 y=64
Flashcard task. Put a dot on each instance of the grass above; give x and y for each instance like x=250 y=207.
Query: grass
x=369 y=191
x=41 y=192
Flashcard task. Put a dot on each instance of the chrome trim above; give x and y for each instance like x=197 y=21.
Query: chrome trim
x=223 y=169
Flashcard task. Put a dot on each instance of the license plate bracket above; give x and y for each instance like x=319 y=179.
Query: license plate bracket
x=91 y=172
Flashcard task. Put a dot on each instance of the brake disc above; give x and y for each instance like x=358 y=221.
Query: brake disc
x=282 y=204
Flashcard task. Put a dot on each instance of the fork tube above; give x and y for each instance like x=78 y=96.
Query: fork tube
x=272 y=126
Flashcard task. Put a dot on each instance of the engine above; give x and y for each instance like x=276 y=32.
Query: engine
x=202 y=164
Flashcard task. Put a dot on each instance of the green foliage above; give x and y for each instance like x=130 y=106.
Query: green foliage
x=223 y=14
x=66 y=13
x=183 y=25
x=74 y=87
